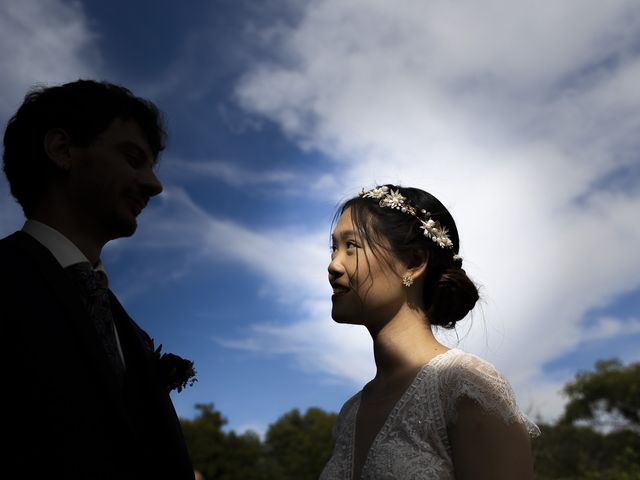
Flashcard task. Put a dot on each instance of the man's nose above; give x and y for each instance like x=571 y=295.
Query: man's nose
x=151 y=183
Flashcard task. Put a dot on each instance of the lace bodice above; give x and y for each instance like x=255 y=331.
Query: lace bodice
x=413 y=442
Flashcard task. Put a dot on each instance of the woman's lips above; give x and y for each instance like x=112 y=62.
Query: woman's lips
x=339 y=290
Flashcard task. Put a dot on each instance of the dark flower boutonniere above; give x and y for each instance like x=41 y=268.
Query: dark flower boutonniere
x=175 y=372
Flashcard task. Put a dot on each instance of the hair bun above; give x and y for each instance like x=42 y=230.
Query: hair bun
x=453 y=296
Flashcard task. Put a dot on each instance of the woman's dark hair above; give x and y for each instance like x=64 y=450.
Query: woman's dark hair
x=83 y=109
x=448 y=294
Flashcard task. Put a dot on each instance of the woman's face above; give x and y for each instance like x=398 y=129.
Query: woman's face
x=366 y=289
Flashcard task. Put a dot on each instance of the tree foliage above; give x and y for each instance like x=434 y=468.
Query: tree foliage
x=298 y=446
x=569 y=452
x=598 y=435
x=606 y=397
x=220 y=455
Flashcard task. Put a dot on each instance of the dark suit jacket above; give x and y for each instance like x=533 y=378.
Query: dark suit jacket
x=67 y=416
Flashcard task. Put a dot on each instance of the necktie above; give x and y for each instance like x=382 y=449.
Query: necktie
x=94 y=287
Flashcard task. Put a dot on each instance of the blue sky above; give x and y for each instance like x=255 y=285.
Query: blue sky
x=523 y=119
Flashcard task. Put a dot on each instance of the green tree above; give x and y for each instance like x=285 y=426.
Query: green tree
x=244 y=458
x=569 y=452
x=298 y=446
x=607 y=397
x=219 y=455
x=205 y=439
x=597 y=437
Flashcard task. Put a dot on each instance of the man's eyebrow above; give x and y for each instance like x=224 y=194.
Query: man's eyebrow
x=132 y=145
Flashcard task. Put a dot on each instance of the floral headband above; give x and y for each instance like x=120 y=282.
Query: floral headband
x=393 y=199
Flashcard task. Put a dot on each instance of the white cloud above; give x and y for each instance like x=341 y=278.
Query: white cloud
x=42 y=42
x=512 y=113
x=228 y=172
x=609 y=327
x=316 y=343
x=177 y=222
x=270 y=181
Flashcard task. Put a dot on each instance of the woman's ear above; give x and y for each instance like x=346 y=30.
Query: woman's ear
x=417 y=267
x=57 y=146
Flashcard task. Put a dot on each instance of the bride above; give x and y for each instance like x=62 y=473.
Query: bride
x=430 y=412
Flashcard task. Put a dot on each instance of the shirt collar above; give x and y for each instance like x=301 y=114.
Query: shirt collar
x=63 y=249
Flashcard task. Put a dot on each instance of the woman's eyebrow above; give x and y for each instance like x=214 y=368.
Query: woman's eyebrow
x=343 y=234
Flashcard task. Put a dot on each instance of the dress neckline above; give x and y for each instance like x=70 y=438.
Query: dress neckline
x=392 y=413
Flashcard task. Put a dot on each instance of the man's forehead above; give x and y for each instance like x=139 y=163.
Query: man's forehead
x=125 y=127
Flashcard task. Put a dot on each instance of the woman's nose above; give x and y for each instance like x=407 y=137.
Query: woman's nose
x=335 y=267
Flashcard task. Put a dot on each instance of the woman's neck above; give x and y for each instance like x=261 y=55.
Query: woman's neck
x=403 y=344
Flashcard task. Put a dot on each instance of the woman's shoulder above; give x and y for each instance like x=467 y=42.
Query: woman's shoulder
x=346 y=416
x=351 y=403
x=462 y=373
x=457 y=366
x=349 y=408
x=465 y=375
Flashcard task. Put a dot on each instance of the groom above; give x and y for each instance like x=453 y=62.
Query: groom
x=85 y=391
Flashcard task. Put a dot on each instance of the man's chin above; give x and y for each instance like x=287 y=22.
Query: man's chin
x=131 y=229
x=124 y=228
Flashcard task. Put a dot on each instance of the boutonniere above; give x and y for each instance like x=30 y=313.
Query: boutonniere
x=175 y=372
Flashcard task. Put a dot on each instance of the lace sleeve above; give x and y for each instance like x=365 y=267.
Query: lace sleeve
x=466 y=375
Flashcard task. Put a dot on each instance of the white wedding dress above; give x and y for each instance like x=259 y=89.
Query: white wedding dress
x=413 y=442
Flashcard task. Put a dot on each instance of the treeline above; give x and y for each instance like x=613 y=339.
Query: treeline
x=295 y=447
x=597 y=437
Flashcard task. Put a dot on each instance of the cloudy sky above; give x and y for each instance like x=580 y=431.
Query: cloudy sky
x=522 y=117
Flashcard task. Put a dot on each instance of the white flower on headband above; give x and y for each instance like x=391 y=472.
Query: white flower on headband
x=437 y=233
x=393 y=199
x=376 y=193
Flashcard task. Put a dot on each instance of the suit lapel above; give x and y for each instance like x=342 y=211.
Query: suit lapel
x=135 y=345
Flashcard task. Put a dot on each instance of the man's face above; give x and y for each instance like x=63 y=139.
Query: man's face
x=112 y=179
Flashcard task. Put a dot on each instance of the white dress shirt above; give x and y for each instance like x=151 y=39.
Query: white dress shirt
x=65 y=252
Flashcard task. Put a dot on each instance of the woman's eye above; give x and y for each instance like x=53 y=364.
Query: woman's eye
x=348 y=245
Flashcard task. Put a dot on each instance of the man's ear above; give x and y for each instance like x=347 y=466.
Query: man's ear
x=418 y=265
x=57 y=146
